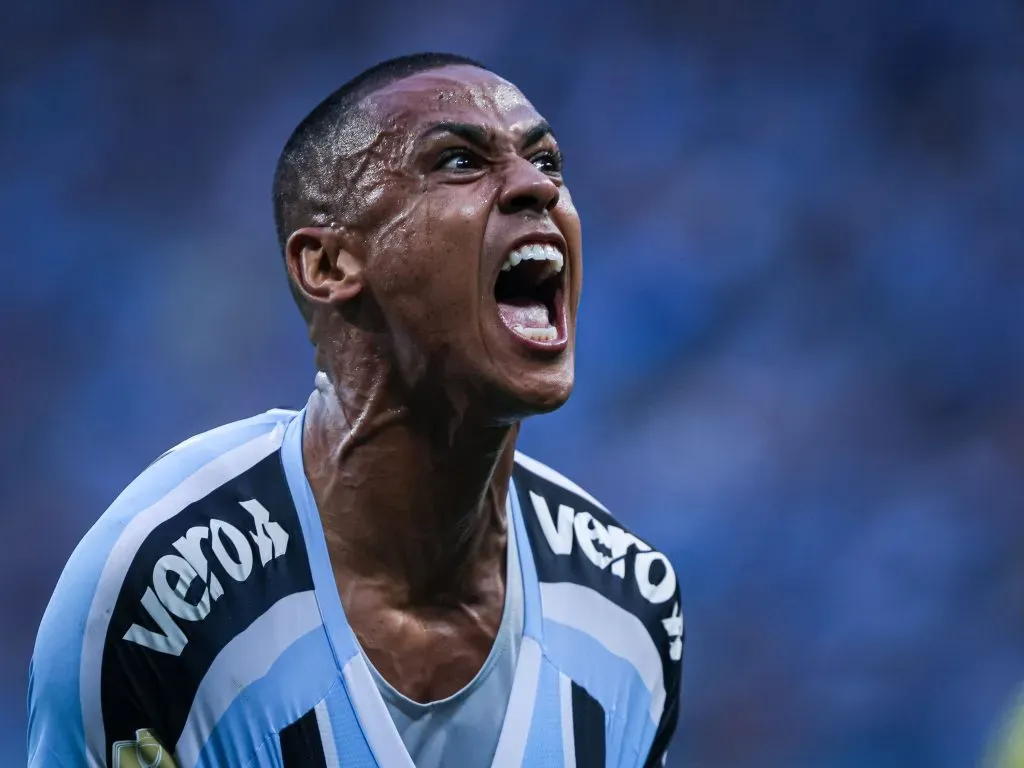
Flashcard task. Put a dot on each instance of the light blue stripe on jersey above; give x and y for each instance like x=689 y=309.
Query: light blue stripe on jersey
x=341 y=638
x=602 y=674
x=269 y=755
x=349 y=742
x=532 y=625
x=57 y=656
x=544 y=746
x=300 y=678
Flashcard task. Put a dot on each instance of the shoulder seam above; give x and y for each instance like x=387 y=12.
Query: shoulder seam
x=268 y=420
x=543 y=470
x=270 y=417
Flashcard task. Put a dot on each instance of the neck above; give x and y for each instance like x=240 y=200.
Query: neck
x=413 y=503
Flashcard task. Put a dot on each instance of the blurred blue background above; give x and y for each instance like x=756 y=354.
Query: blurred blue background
x=800 y=357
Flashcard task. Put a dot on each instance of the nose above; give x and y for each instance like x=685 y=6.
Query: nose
x=527 y=189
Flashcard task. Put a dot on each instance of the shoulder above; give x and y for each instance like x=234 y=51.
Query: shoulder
x=184 y=475
x=184 y=485
x=592 y=568
x=199 y=513
x=142 y=586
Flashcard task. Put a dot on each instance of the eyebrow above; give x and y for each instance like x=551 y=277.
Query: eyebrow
x=481 y=137
x=536 y=133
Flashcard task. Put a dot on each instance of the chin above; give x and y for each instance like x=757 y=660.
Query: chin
x=532 y=393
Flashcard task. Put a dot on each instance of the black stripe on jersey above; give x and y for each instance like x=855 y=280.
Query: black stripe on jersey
x=301 y=743
x=666 y=730
x=145 y=688
x=588 y=729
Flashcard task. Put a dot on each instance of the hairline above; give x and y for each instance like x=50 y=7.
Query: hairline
x=356 y=102
x=372 y=89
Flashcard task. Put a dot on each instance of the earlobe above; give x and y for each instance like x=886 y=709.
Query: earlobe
x=321 y=267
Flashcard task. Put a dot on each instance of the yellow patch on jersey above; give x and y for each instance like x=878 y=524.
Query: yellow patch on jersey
x=145 y=751
x=1009 y=744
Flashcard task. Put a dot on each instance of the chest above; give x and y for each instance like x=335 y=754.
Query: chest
x=428 y=655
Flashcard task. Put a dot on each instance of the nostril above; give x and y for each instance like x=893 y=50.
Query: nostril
x=538 y=200
x=525 y=202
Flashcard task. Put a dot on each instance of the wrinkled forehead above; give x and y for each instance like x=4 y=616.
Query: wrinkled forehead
x=456 y=92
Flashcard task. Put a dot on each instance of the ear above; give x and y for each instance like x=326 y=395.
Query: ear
x=321 y=267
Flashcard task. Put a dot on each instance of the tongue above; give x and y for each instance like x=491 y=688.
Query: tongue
x=528 y=313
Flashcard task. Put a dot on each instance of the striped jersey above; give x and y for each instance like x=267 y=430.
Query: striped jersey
x=199 y=623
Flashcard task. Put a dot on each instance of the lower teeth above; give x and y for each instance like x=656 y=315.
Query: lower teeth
x=537 y=334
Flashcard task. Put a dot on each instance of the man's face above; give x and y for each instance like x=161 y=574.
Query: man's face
x=471 y=244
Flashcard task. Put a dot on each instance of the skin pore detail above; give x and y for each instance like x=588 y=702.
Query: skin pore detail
x=410 y=434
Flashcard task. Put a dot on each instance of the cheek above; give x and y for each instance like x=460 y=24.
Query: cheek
x=568 y=222
x=565 y=214
x=426 y=270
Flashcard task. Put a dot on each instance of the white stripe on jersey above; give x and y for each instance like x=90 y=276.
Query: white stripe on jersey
x=618 y=630
x=202 y=482
x=372 y=713
x=323 y=723
x=557 y=478
x=244 y=660
x=521 y=701
x=221 y=430
x=568 y=732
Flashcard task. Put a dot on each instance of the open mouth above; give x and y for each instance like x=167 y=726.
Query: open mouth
x=529 y=293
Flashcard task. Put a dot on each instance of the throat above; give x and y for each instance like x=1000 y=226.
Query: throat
x=414 y=516
x=428 y=656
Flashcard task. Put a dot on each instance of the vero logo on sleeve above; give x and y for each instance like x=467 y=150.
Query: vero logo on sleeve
x=176 y=576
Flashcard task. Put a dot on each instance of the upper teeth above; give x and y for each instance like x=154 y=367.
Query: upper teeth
x=535 y=252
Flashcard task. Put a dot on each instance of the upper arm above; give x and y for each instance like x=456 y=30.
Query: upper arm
x=65 y=715
x=666 y=729
x=672 y=657
x=95 y=689
x=56 y=735
x=53 y=738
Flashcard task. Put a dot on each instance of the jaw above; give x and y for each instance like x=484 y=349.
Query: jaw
x=547 y=390
x=512 y=396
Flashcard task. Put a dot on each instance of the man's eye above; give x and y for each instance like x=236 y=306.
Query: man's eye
x=458 y=159
x=548 y=161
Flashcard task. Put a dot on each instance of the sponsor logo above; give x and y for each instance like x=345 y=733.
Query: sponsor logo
x=177 y=576
x=674 y=628
x=606 y=546
x=145 y=751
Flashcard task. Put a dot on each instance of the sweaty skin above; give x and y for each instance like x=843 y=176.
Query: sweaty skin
x=409 y=436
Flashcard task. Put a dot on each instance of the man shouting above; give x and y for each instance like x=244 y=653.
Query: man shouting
x=380 y=579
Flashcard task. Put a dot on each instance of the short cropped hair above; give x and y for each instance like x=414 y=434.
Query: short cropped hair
x=306 y=174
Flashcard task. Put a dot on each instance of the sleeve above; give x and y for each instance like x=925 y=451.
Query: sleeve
x=55 y=738
x=673 y=687
x=55 y=732
x=68 y=726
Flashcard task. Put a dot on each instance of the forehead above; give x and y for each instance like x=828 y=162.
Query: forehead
x=456 y=92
